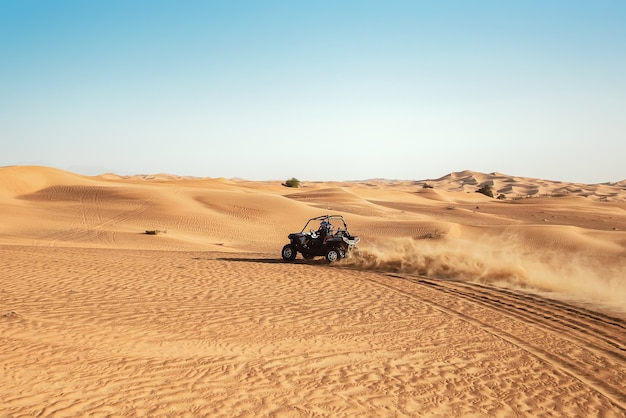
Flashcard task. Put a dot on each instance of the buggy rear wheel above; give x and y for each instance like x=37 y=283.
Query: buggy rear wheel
x=333 y=255
x=289 y=253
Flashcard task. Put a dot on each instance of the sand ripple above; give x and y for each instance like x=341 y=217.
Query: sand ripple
x=129 y=332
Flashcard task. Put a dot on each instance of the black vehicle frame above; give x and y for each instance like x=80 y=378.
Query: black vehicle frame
x=331 y=240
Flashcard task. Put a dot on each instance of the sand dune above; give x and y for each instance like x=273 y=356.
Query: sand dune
x=520 y=187
x=457 y=304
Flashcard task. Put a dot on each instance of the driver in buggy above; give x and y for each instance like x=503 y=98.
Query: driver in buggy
x=317 y=238
x=324 y=230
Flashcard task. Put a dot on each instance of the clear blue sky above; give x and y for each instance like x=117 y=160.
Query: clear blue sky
x=319 y=90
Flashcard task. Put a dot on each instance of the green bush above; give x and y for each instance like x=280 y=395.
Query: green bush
x=486 y=190
x=427 y=186
x=292 y=182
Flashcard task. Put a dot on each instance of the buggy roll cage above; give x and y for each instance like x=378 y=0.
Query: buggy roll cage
x=329 y=219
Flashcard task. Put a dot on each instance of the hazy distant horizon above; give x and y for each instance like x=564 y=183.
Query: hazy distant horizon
x=98 y=171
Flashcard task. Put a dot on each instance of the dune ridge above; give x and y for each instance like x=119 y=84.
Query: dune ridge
x=524 y=187
x=456 y=304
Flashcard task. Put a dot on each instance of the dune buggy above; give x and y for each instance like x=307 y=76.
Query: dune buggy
x=331 y=240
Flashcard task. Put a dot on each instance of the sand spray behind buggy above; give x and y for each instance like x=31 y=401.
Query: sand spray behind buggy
x=502 y=260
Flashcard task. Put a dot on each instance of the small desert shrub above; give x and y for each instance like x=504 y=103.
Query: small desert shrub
x=486 y=190
x=292 y=182
x=427 y=186
x=501 y=196
x=155 y=232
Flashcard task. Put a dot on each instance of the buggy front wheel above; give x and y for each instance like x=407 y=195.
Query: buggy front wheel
x=289 y=253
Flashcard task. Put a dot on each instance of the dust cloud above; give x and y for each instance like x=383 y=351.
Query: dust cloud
x=503 y=261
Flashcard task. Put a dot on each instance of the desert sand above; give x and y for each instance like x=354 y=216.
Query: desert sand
x=457 y=304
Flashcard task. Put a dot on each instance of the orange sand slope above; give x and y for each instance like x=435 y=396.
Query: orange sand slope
x=457 y=304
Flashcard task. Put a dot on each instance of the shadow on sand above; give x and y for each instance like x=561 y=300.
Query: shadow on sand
x=319 y=262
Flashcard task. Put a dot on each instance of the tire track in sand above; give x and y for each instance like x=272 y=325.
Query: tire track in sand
x=586 y=345
x=100 y=211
